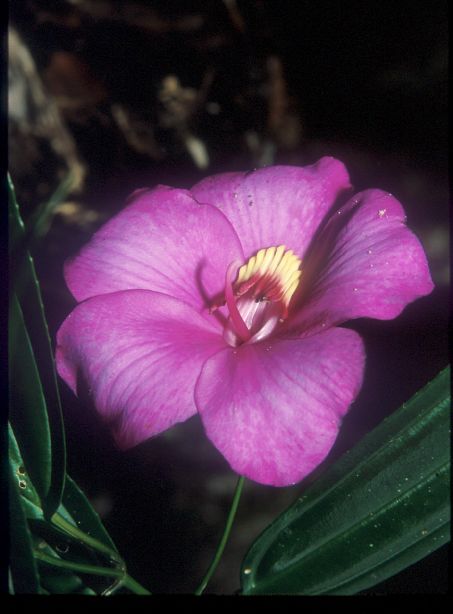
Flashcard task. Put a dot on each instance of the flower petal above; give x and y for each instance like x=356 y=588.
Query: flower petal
x=163 y=241
x=372 y=265
x=140 y=353
x=278 y=205
x=274 y=410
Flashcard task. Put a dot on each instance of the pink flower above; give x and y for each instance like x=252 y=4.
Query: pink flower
x=226 y=300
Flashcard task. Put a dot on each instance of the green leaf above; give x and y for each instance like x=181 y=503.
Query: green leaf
x=57 y=579
x=62 y=544
x=26 y=288
x=23 y=570
x=30 y=538
x=73 y=550
x=31 y=502
x=28 y=410
x=81 y=511
x=117 y=579
x=380 y=508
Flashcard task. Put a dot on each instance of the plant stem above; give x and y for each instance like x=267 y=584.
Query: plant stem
x=75 y=532
x=128 y=582
x=119 y=572
x=134 y=586
x=226 y=534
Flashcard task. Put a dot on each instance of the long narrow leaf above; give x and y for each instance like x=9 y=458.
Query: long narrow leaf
x=59 y=580
x=23 y=568
x=85 y=516
x=28 y=410
x=31 y=502
x=379 y=509
x=26 y=287
x=33 y=534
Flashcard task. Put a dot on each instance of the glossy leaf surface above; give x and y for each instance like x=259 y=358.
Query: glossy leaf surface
x=30 y=500
x=26 y=288
x=28 y=410
x=84 y=544
x=380 y=508
x=81 y=511
x=23 y=568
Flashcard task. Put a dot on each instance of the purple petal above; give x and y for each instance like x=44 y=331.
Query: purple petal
x=163 y=241
x=372 y=265
x=140 y=353
x=278 y=205
x=274 y=409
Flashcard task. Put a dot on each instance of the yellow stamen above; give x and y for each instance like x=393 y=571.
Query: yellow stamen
x=273 y=274
x=275 y=261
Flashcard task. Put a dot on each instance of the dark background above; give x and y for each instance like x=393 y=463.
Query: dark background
x=130 y=94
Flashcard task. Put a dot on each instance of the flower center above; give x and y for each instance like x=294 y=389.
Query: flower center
x=259 y=292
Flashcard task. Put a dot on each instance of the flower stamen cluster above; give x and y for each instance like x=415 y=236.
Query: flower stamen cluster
x=259 y=298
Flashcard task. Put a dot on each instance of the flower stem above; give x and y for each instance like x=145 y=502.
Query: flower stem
x=226 y=534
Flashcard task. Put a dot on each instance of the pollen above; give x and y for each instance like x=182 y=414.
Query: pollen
x=272 y=274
